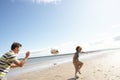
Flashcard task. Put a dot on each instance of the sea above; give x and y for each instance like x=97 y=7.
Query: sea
x=45 y=62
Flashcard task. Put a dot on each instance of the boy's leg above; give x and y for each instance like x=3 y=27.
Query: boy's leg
x=80 y=64
x=76 y=70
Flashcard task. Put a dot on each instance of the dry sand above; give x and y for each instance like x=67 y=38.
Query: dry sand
x=105 y=67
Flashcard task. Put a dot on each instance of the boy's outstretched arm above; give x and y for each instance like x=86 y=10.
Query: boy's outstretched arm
x=84 y=52
x=18 y=63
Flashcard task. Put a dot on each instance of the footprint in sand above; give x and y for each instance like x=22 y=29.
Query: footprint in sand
x=113 y=66
x=94 y=73
x=82 y=78
x=118 y=76
x=109 y=71
x=98 y=70
x=105 y=75
x=57 y=76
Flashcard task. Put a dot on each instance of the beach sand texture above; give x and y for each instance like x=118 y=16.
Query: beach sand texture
x=104 y=67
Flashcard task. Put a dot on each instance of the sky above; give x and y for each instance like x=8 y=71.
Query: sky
x=62 y=24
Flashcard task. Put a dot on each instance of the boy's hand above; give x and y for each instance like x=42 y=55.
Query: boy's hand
x=27 y=54
x=83 y=52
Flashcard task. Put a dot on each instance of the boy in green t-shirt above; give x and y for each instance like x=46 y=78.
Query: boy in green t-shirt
x=9 y=60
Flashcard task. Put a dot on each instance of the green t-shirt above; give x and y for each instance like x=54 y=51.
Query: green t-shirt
x=5 y=61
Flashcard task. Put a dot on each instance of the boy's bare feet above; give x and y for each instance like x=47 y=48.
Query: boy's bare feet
x=76 y=77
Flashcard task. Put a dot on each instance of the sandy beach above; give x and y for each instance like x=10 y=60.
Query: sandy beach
x=104 y=67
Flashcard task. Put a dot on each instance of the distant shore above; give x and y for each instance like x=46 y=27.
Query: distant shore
x=105 y=67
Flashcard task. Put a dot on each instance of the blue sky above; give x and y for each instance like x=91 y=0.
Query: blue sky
x=39 y=24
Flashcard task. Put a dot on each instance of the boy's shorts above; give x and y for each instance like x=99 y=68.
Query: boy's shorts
x=77 y=64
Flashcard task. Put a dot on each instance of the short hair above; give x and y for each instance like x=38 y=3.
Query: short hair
x=15 y=44
x=78 y=48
